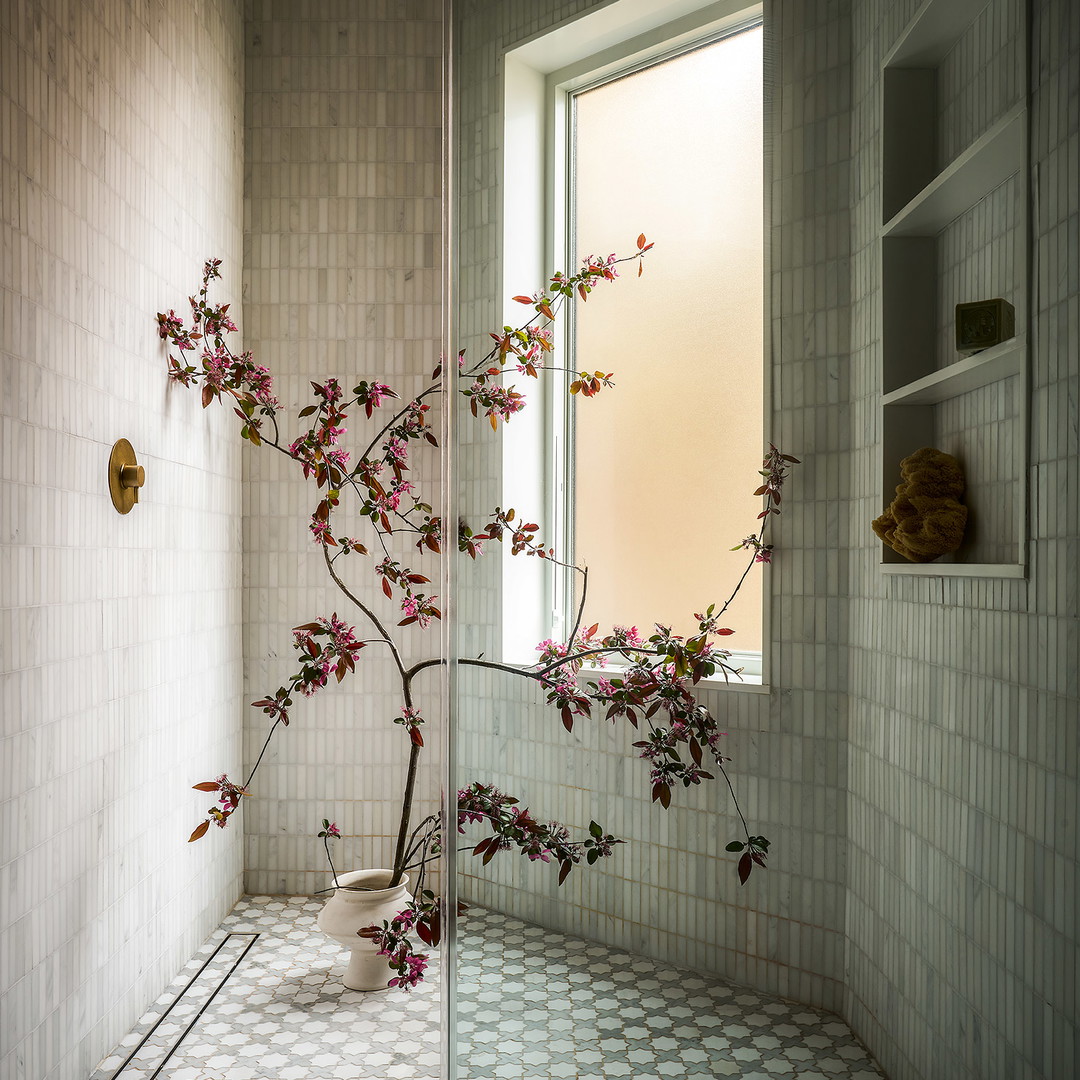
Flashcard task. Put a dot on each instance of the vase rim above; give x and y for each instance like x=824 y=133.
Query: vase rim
x=363 y=877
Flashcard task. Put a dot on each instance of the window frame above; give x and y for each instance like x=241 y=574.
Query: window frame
x=540 y=79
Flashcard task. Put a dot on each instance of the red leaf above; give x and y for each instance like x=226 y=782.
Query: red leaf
x=640 y=241
x=386 y=588
x=206 y=785
x=567 y=718
x=207 y=394
x=565 y=871
x=524 y=299
x=746 y=864
x=417 y=740
x=199 y=831
x=724 y=632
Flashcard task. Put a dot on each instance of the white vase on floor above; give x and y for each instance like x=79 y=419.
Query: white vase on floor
x=351 y=909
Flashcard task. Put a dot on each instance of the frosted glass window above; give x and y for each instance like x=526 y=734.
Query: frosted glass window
x=665 y=463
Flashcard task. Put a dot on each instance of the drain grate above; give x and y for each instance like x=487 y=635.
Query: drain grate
x=153 y=1051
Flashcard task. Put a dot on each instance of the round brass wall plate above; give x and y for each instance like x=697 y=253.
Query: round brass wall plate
x=126 y=476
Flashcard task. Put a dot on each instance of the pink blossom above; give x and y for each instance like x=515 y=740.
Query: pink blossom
x=315 y=678
x=397 y=450
x=343 y=635
x=550 y=650
x=630 y=638
x=416 y=607
x=330 y=392
x=170 y=325
x=416 y=963
x=376 y=392
x=216 y=365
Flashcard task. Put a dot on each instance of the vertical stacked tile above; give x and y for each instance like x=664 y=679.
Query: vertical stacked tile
x=963 y=875
x=120 y=679
x=672 y=892
x=342 y=278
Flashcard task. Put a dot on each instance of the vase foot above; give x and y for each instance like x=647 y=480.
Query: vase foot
x=367 y=971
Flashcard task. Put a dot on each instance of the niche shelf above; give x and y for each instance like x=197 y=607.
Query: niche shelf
x=974 y=407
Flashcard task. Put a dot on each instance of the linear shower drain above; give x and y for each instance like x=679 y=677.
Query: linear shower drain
x=154 y=1049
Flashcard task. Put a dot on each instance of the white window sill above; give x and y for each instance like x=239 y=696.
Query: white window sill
x=746 y=682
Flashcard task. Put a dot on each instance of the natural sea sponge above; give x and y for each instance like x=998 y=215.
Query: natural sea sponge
x=926 y=519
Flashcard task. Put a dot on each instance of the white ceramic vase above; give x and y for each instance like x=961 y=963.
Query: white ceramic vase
x=350 y=910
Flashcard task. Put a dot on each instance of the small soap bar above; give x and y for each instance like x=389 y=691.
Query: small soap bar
x=984 y=323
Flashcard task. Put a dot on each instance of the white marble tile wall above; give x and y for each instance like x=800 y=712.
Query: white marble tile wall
x=672 y=892
x=342 y=278
x=120 y=636
x=963 y=765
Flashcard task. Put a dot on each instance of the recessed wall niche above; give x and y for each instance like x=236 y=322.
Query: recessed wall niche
x=954 y=229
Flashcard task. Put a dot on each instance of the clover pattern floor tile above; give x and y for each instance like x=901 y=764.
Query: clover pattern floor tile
x=534 y=1003
x=531 y=1003
x=283 y=1014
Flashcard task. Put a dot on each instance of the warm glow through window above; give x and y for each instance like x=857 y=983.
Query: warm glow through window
x=665 y=463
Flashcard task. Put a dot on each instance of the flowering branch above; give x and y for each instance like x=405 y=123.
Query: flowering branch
x=653 y=693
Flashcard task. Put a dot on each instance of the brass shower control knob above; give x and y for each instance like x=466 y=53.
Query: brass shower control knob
x=126 y=476
x=132 y=476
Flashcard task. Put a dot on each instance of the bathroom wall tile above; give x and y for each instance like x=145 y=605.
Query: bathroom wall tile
x=963 y=698
x=120 y=637
x=342 y=278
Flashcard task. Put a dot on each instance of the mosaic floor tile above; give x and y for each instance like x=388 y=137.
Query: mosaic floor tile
x=531 y=1004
